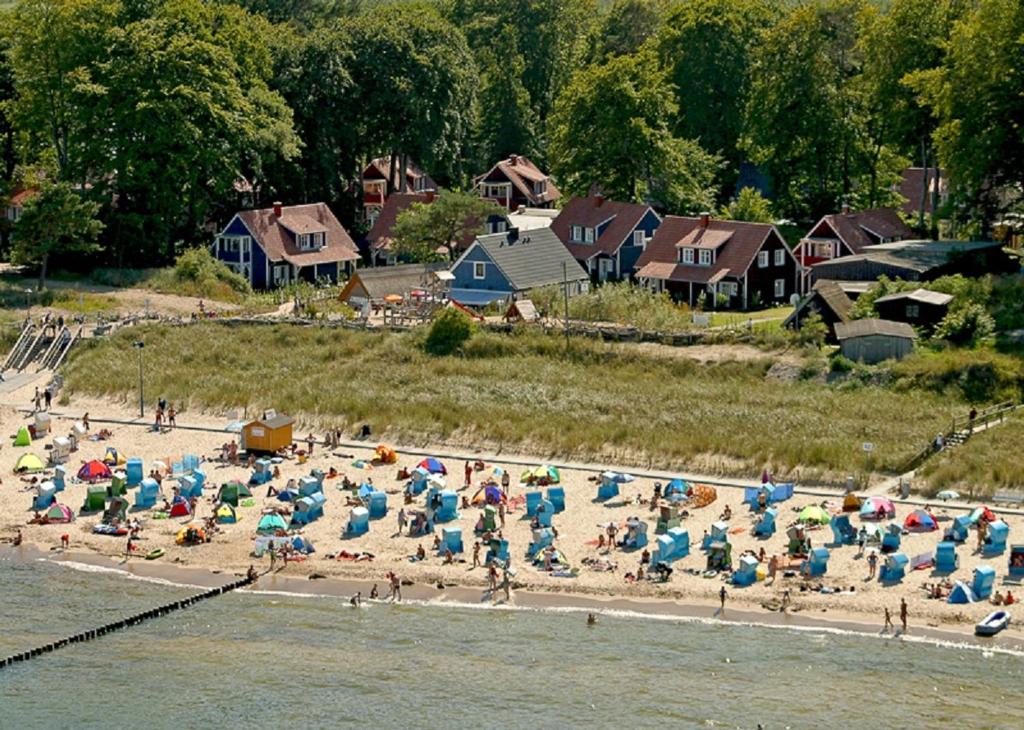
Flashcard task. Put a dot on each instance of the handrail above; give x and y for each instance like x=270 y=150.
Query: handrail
x=982 y=418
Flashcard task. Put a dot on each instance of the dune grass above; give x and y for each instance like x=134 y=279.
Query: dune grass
x=522 y=392
x=987 y=462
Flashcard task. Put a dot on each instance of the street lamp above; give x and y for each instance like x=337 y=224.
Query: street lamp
x=28 y=303
x=138 y=345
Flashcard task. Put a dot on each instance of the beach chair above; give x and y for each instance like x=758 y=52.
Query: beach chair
x=719 y=533
x=447 y=510
x=488 y=521
x=200 y=476
x=497 y=552
x=668 y=517
x=746 y=573
x=958 y=531
x=358 y=522
x=765 y=527
x=946 y=559
x=664 y=549
x=843 y=533
x=636 y=535
x=190 y=487
x=133 y=472
x=891 y=538
x=984 y=581
x=262 y=472
x=817 y=564
x=680 y=541
x=149 y=491
x=995 y=541
x=607 y=490
x=304 y=511
x=45 y=496
x=894 y=568
x=59 y=474
x=1016 y=562
x=545 y=512
x=309 y=486
x=377 y=505
x=190 y=462
x=542 y=537
x=533 y=500
x=451 y=539
x=782 y=492
x=556 y=495
x=118 y=484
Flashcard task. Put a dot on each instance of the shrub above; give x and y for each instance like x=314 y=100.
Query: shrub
x=197 y=273
x=965 y=325
x=450 y=330
x=839 y=363
x=812 y=331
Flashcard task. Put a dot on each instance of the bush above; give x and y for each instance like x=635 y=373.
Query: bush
x=197 y=273
x=965 y=325
x=450 y=330
x=840 y=363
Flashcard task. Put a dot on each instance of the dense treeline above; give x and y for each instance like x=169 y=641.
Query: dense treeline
x=159 y=111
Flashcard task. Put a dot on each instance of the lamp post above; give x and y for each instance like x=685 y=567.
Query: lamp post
x=28 y=303
x=138 y=345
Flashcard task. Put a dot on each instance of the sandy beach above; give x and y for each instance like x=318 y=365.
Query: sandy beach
x=578 y=529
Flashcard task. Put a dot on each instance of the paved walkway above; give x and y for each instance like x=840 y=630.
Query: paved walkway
x=13 y=380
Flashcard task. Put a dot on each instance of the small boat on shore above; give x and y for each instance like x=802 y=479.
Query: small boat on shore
x=992 y=624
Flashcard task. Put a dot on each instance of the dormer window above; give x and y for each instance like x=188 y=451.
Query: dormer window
x=638 y=238
x=687 y=255
x=576 y=233
x=705 y=257
x=588 y=235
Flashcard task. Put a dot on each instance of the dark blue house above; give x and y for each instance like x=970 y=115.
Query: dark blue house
x=276 y=246
x=507 y=266
x=605 y=236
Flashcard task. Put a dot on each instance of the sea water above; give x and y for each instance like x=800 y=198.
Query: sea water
x=261 y=660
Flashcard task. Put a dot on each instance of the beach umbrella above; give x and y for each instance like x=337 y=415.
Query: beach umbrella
x=160 y=467
x=492 y=495
x=433 y=465
x=877 y=507
x=920 y=521
x=393 y=298
x=678 y=486
x=814 y=514
x=497 y=472
x=947 y=494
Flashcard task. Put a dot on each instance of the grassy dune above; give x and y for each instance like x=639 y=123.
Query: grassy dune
x=989 y=461
x=522 y=392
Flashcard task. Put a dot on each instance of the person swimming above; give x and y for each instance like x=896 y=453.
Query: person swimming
x=591 y=619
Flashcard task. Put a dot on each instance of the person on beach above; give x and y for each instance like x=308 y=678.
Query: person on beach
x=251 y=574
x=468 y=469
x=396 y=587
x=65 y=541
x=862 y=540
x=310 y=443
x=722 y=595
x=505 y=482
x=888 y=621
x=357 y=600
x=158 y=425
x=403 y=520
x=591 y=619
x=85 y=421
x=492 y=577
x=476 y=554
x=47 y=398
x=903 y=614
x=373 y=592
x=35 y=400
x=273 y=557
x=612 y=530
x=17 y=539
x=171 y=413
x=506 y=584
x=786 y=598
x=872 y=564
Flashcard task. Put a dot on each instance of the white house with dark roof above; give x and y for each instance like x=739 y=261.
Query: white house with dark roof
x=276 y=246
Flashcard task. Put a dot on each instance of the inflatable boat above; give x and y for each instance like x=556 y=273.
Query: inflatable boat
x=992 y=624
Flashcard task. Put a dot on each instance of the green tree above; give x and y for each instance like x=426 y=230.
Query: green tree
x=749 y=205
x=625 y=27
x=304 y=13
x=802 y=117
x=55 y=222
x=425 y=230
x=975 y=96
x=611 y=128
x=706 y=48
x=450 y=330
x=506 y=119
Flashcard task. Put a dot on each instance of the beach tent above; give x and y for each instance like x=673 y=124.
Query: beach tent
x=93 y=471
x=433 y=466
x=920 y=521
x=302 y=545
x=233 y=492
x=877 y=508
x=553 y=476
x=271 y=523
x=385 y=454
x=190 y=535
x=983 y=514
x=813 y=514
x=28 y=463
x=226 y=514
x=95 y=499
x=58 y=512
x=493 y=495
x=113 y=457
x=23 y=437
x=851 y=503
x=288 y=495
x=677 y=490
x=181 y=507
x=961 y=593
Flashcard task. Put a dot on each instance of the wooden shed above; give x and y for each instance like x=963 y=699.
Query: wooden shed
x=921 y=307
x=874 y=340
x=267 y=434
x=522 y=310
x=828 y=300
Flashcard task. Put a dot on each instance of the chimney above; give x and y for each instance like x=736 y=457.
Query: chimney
x=512 y=235
x=521 y=209
x=846 y=209
x=598 y=200
x=513 y=159
x=705 y=220
x=277 y=208
x=430 y=196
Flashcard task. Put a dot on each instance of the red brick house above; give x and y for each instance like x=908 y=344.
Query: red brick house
x=515 y=182
x=375 y=184
x=748 y=264
x=848 y=234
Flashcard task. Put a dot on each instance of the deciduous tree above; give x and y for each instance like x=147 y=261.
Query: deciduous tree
x=425 y=231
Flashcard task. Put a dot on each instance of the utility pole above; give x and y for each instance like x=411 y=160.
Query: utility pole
x=138 y=345
x=565 y=293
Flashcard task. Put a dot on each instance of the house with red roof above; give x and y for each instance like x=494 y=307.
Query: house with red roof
x=847 y=234
x=606 y=237
x=380 y=181
x=734 y=263
x=16 y=203
x=516 y=181
x=282 y=244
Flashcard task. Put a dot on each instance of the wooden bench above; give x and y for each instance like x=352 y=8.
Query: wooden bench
x=1008 y=496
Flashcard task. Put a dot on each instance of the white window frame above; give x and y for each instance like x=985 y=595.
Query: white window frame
x=762 y=259
x=589 y=235
x=279 y=274
x=500 y=226
x=540 y=187
x=479 y=270
x=780 y=288
x=704 y=257
x=575 y=233
x=687 y=255
x=729 y=288
x=639 y=237
x=780 y=257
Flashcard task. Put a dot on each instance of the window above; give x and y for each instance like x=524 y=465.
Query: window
x=638 y=238
x=494 y=191
x=762 y=259
x=499 y=226
x=729 y=288
x=913 y=312
x=540 y=187
x=576 y=233
x=588 y=235
x=419 y=184
x=280 y=274
x=705 y=257
x=479 y=270
x=780 y=257
x=780 y=288
x=687 y=255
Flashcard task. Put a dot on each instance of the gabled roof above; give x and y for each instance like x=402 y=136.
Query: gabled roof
x=399 y=280
x=379 y=237
x=917 y=256
x=278 y=421
x=377 y=169
x=20 y=197
x=853 y=229
x=733 y=258
x=591 y=212
x=271 y=233
x=531 y=259
x=868 y=327
x=825 y=293
x=522 y=173
x=923 y=296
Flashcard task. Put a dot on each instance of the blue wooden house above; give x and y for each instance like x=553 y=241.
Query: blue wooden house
x=276 y=246
x=605 y=236
x=507 y=266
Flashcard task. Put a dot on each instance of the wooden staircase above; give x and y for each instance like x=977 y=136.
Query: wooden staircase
x=960 y=432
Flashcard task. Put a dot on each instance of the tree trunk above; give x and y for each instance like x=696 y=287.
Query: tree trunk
x=924 y=185
x=391 y=172
x=403 y=182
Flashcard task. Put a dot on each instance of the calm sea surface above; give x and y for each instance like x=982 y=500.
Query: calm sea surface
x=281 y=661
